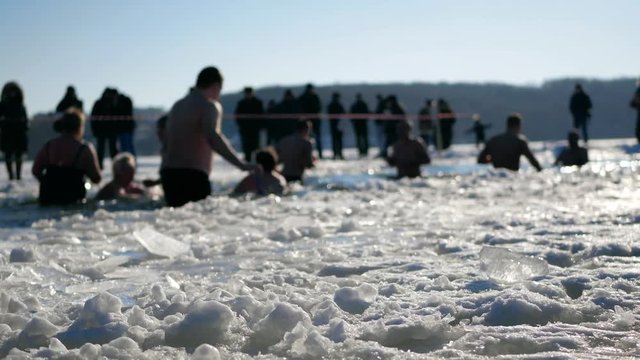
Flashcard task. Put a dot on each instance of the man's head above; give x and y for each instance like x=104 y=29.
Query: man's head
x=210 y=82
x=514 y=123
x=403 y=129
x=359 y=97
x=578 y=88
x=303 y=127
x=335 y=96
x=247 y=92
x=572 y=138
x=124 y=168
x=308 y=88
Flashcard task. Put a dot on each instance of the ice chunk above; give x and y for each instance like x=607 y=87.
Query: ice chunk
x=271 y=329
x=100 y=268
x=206 y=352
x=36 y=333
x=355 y=300
x=206 y=322
x=504 y=265
x=121 y=348
x=100 y=321
x=159 y=244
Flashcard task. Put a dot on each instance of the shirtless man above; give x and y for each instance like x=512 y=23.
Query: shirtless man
x=192 y=131
x=504 y=151
x=295 y=152
x=408 y=153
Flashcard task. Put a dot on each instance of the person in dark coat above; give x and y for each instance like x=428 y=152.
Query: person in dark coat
x=249 y=127
x=580 y=106
x=126 y=124
x=574 y=155
x=360 y=125
x=14 y=125
x=446 y=119
x=70 y=100
x=310 y=104
x=391 y=126
x=381 y=140
x=103 y=126
x=635 y=103
x=335 y=108
x=286 y=125
x=504 y=151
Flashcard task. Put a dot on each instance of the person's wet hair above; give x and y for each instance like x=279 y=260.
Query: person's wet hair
x=208 y=76
x=514 y=121
x=267 y=159
x=573 y=138
x=71 y=122
x=123 y=161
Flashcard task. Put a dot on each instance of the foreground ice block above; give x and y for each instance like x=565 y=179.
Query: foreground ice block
x=159 y=244
x=504 y=265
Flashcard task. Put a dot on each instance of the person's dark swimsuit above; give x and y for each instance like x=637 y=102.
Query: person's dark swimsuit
x=63 y=185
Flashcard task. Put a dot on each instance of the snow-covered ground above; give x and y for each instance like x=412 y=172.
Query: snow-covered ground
x=465 y=262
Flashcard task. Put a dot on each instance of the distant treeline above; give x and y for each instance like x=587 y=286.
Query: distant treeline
x=544 y=108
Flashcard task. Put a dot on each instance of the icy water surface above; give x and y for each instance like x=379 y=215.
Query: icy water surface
x=467 y=262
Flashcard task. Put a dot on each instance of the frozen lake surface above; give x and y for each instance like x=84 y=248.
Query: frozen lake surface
x=466 y=262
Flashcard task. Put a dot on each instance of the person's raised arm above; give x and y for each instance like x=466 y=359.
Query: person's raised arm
x=218 y=142
x=91 y=166
x=39 y=163
x=529 y=155
x=484 y=157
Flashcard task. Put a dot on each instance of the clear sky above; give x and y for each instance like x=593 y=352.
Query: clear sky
x=153 y=49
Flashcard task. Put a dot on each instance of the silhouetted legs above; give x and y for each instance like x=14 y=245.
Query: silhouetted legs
x=126 y=143
x=317 y=133
x=580 y=122
x=446 y=130
x=380 y=138
x=113 y=147
x=250 y=137
x=336 y=138
x=9 y=158
x=362 y=136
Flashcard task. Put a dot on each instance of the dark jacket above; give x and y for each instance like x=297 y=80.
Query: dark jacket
x=580 y=104
x=251 y=105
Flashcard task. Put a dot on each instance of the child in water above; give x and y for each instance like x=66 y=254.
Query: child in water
x=122 y=185
x=264 y=182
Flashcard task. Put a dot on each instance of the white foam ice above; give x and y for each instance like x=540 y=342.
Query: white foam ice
x=467 y=262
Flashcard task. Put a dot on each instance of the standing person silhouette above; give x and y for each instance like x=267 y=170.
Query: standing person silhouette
x=446 y=120
x=381 y=140
x=580 y=106
x=504 y=151
x=335 y=108
x=286 y=125
x=249 y=127
x=425 y=123
x=14 y=125
x=310 y=104
x=635 y=103
x=192 y=131
x=360 y=126
x=391 y=125
x=270 y=123
x=103 y=125
x=70 y=100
